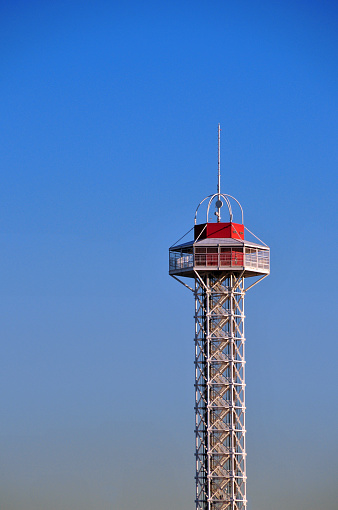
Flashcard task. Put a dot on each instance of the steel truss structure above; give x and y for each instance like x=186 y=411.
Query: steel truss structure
x=220 y=391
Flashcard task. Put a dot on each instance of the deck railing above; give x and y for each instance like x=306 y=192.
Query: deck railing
x=253 y=258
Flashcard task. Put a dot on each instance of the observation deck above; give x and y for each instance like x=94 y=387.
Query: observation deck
x=219 y=246
x=219 y=254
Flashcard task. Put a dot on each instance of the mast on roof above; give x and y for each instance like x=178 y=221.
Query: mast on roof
x=219 y=202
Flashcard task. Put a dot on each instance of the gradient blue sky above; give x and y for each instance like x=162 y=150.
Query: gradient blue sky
x=108 y=120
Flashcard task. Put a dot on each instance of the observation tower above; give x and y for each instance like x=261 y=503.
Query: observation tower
x=224 y=266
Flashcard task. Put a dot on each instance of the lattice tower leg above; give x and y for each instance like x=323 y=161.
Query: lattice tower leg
x=220 y=392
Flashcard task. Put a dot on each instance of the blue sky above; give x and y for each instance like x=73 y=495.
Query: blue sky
x=108 y=122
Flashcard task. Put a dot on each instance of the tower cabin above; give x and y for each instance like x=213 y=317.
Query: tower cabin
x=219 y=247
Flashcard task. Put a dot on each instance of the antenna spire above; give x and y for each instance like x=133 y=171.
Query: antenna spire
x=219 y=162
x=219 y=202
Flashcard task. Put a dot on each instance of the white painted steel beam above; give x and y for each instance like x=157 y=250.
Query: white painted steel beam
x=220 y=392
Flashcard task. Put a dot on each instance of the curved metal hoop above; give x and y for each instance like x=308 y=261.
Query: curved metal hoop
x=241 y=208
x=226 y=200
x=200 y=205
x=226 y=197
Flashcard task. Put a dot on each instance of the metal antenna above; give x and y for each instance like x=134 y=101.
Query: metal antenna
x=219 y=202
x=219 y=162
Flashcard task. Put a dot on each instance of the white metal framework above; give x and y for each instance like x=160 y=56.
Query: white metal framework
x=220 y=396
